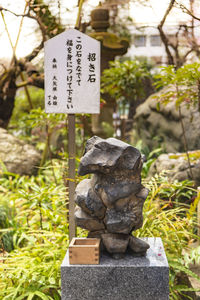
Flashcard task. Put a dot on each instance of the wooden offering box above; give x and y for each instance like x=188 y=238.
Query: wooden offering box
x=84 y=251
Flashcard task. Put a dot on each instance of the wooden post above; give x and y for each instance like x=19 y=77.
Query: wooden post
x=72 y=155
x=79 y=93
x=71 y=167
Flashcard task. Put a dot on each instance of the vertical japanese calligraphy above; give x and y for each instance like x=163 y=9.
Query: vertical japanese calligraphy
x=52 y=99
x=92 y=74
x=78 y=70
x=78 y=60
x=69 y=78
x=72 y=73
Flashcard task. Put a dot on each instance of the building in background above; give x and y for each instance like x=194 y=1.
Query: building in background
x=147 y=43
x=146 y=40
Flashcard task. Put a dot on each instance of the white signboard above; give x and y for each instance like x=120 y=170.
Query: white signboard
x=72 y=73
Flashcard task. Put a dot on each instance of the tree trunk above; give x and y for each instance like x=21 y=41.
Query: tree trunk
x=7 y=99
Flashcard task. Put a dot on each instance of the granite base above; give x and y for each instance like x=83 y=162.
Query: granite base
x=129 y=278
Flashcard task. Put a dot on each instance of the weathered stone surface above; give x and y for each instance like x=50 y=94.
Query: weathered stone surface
x=88 y=199
x=86 y=221
x=178 y=166
x=104 y=156
x=143 y=193
x=115 y=243
x=113 y=199
x=138 y=245
x=119 y=221
x=123 y=204
x=163 y=127
x=130 y=278
x=17 y=156
x=125 y=216
x=95 y=234
x=117 y=190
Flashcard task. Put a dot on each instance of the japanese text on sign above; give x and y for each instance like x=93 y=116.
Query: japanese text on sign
x=72 y=73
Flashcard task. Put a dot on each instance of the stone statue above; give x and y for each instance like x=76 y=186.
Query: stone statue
x=110 y=204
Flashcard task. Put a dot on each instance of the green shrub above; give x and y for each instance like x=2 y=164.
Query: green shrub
x=40 y=240
x=175 y=223
x=21 y=103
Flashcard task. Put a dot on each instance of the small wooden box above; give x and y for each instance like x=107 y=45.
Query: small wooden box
x=84 y=251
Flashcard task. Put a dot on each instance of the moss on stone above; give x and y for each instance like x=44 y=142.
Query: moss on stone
x=109 y=40
x=194 y=155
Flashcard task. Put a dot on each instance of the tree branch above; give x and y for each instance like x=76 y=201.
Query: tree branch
x=187 y=11
x=28 y=15
x=34 y=53
x=164 y=38
x=171 y=4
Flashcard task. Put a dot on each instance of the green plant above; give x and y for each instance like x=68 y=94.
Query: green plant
x=183 y=87
x=193 y=257
x=148 y=156
x=178 y=192
x=22 y=106
x=6 y=222
x=48 y=132
x=164 y=218
x=34 y=210
x=38 y=217
x=183 y=83
x=33 y=271
x=125 y=81
x=37 y=208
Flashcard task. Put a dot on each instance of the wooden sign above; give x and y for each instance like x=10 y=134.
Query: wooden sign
x=72 y=73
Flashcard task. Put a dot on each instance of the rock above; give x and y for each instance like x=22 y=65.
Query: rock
x=163 y=128
x=138 y=246
x=115 y=243
x=119 y=221
x=126 y=215
x=86 y=221
x=124 y=220
x=104 y=156
x=112 y=200
x=17 y=156
x=118 y=190
x=143 y=193
x=178 y=166
x=88 y=199
x=97 y=235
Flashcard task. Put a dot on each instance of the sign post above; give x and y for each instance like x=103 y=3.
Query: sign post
x=72 y=85
x=71 y=173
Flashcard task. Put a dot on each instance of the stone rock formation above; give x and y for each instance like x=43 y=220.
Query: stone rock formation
x=110 y=204
x=163 y=127
x=178 y=166
x=17 y=156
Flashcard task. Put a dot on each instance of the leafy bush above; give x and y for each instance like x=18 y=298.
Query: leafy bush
x=48 y=132
x=183 y=83
x=175 y=224
x=148 y=156
x=36 y=214
x=22 y=106
x=127 y=82
x=33 y=271
x=40 y=239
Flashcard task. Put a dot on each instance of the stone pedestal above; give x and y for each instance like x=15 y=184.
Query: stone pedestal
x=130 y=278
